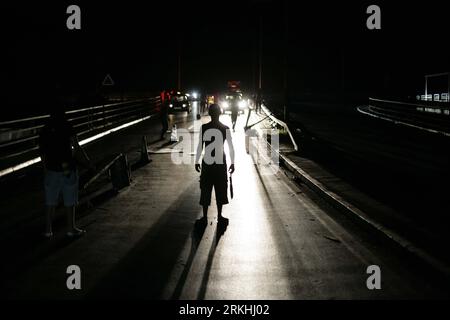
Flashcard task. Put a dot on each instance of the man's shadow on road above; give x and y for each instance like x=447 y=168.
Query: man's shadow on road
x=222 y=226
x=196 y=236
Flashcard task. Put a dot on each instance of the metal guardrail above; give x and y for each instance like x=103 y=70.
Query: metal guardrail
x=19 y=137
x=281 y=123
x=367 y=110
x=429 y=117
x=443 y=109
x=119 y=173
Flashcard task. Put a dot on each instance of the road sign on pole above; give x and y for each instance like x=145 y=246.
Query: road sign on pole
x=108 y=81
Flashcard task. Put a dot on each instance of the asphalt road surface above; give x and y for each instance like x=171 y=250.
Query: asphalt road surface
x=281 y=242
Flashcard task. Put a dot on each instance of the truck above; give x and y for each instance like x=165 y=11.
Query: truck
x=234 y=86
x=233 y=98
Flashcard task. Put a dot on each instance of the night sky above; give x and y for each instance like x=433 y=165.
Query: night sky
x=329 y=50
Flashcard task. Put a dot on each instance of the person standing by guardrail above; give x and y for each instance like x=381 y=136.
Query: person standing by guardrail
x=59 y=149
x=164 y=115
x=214 y=165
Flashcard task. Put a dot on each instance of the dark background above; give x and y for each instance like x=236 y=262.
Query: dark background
x=329 y=50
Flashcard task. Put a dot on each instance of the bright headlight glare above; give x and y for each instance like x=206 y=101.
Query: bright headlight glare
x=170 y=105
x=242 y=104
x=225 y=105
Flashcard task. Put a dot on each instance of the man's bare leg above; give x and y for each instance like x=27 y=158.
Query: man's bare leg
x=205 y=212
x=223 y=222
x=49 y=213
x=219 y=211
x=72 y=229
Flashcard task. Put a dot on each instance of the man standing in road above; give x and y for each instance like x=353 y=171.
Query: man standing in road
x=234 y=114
x=214 y=166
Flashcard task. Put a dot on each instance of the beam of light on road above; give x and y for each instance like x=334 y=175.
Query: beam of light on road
x=249 y=260
x=28 y=163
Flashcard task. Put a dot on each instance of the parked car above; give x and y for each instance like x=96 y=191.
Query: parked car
x=179 y=102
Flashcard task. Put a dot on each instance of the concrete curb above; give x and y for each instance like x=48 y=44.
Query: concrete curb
x=342 y=205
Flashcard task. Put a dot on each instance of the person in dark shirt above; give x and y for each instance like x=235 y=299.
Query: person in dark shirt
x=164 y=115
x=214 y=166
x=234 y=114
x=58 y=146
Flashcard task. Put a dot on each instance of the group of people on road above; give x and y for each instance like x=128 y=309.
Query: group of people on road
x=61 y=153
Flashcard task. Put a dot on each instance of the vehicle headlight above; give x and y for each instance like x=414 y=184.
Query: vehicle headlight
x=170 y=105
x=225 y=105
x=184 y=105
x=242 y=104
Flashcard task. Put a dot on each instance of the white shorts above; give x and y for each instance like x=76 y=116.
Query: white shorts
x=55 y=182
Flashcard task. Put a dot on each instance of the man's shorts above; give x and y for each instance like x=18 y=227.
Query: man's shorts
x=56 y=182
x=214 y=176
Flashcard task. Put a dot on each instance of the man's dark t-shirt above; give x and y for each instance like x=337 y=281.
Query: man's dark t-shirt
x=223 y=130
x=56 y=145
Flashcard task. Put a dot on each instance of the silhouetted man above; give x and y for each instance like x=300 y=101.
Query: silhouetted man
x=203 y=103
x=214 y=166
x=164 y=115
x=58 y=146
x=234 y=113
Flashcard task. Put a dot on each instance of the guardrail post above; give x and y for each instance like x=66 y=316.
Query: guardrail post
x=144 y=151
x=120 y=174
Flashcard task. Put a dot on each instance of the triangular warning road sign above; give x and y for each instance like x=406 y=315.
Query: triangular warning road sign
x=108 y=81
